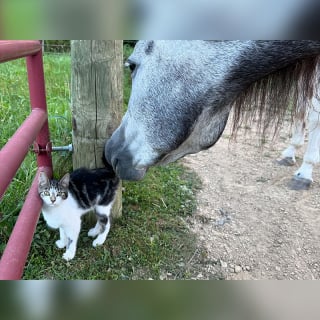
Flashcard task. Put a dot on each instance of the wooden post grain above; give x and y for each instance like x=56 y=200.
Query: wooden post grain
x=96 y=102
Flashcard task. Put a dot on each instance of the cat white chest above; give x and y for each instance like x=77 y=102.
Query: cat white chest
x=61 y=215
x=53 y=218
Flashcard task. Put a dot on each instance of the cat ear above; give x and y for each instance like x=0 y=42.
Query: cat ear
x=43 y=179
x=65 y=180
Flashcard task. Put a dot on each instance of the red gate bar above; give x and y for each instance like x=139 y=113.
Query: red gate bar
x=35 y=127
x=38 y=100
x=14 y=152
x=10 y=50
x=15 y=255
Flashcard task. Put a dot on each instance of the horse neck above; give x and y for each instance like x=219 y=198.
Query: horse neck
x=258 y=59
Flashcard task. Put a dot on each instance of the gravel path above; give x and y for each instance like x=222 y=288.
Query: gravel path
x=248 y=223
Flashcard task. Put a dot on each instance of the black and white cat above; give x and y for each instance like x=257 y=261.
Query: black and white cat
x=65 y=201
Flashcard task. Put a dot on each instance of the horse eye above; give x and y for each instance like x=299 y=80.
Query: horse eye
x=132 y=66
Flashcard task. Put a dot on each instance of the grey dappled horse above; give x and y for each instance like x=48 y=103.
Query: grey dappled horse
x=183 y=91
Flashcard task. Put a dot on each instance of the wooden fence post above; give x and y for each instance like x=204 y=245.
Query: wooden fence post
x=96 y=100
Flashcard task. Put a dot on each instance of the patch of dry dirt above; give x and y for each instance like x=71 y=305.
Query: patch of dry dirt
x=249 y=225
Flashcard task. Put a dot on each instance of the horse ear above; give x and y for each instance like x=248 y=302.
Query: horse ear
x=65 y=180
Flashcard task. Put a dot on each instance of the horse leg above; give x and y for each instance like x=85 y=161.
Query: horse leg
x=303 y=176
x=288 y=155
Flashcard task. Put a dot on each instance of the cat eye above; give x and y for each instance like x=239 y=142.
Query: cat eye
x=62 y=194
x=46 y=193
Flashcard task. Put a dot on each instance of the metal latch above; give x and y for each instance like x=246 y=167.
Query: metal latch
x=49 y=148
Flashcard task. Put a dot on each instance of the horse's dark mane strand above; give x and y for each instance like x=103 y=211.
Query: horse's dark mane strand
x=268 y=100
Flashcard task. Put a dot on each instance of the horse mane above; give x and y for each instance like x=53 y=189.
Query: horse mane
x=268 y=100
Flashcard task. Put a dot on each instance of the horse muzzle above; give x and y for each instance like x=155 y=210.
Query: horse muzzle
x=122 y=162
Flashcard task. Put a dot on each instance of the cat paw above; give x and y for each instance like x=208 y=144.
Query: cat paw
x=97 y=242
x=60 y=244
x=93 y=232
x=68 y=256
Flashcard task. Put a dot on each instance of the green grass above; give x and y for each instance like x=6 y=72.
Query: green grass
x=127 y=78
x=150 y=240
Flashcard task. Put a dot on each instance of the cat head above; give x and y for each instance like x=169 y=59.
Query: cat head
x=53 y=192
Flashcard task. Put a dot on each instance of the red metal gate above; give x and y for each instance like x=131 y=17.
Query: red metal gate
x=34 y=128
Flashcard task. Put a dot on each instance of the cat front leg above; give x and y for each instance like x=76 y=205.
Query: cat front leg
x=71 y=250
x=72 y=234
x=63 y=241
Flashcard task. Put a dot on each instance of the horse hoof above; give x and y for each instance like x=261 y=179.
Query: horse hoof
x=297 y=183
x=287 y=161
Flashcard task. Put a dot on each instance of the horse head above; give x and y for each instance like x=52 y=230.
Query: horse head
x=182 y=92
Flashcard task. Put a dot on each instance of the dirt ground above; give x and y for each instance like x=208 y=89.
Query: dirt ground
x=248 y=223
